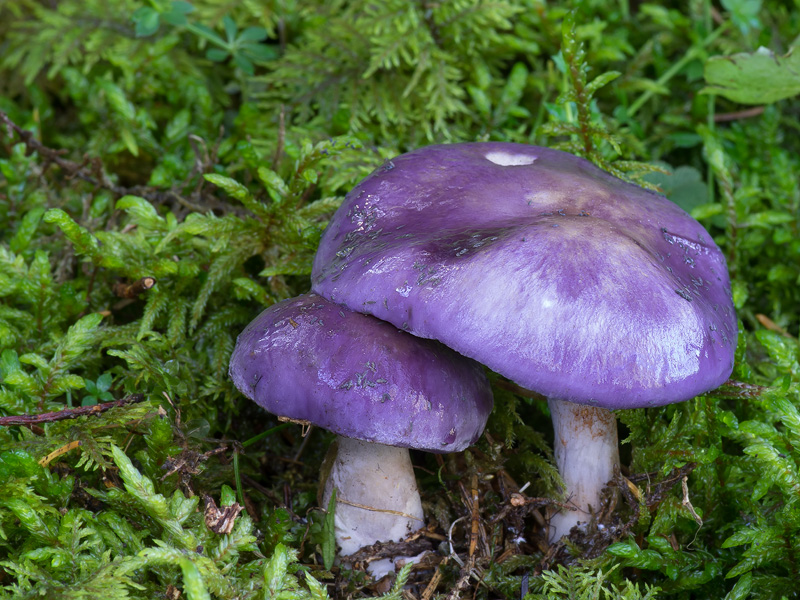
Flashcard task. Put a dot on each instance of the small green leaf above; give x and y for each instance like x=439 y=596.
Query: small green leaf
x=246 y=288
x=783 y=351
x=177 y=13
x=39 y=524
x=117 y=101
x=231 y=186
x=683 y=185
x=11 y=370
x=26 y=230
x=18 y=463
x=310 y=175
x=244 y=63
x=193 y=584
x=143 y=212
x=740 y=293
x=704 y=211
x=207 y=33
x=146 y=20
x=744 y=13
x=741 y=590
x=514 y=88
x=626 y=550
x=35 y=360
x=316 y=589
x=275 y=570
x=66 y=382
x=238 y=191
x=84 y=242
x=481 y=100
x=227 y=496
x=291 y=266
x=216 y=54
x=104 y=382
x=252 y=34
x=768 y=219
x=760 y=77
x=260 y=52
x=129 y=140
x=276 y=186
x=601 y=80
x=230 y=28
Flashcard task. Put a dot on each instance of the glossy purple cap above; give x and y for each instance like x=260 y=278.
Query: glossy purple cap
x=538 y=264
x=307 y=358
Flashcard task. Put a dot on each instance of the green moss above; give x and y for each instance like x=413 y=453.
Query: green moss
x=202 y=146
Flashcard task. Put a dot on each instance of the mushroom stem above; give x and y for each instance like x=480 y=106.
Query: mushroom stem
x=587 y=454
x=376 y=493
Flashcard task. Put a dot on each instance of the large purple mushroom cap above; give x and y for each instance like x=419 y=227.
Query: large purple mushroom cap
x=309 y=359
x=538 y=264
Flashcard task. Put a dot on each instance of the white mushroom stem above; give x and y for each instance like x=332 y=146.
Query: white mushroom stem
x=376 y=493
x=586 y=455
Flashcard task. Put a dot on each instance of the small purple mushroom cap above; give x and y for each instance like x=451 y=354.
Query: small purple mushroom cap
x=307 y=358
x=538 y=264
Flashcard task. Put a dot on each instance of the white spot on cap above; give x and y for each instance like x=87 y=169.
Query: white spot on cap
x=507 y=159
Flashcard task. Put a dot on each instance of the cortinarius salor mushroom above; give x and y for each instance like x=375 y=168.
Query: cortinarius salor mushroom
x=381 y=390
x=572 y=283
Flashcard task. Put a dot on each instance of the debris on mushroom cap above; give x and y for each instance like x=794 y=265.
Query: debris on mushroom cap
x=309 y=359
x=538 y=264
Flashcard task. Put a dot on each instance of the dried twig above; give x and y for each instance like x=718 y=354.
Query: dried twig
x=411 y=546
x=467 y=571
x=475 y=517
x=59 y=451
x=524 y=505
x=90 y=170
x=739 y=114
x=276 y=159
x=773 y=326
x=132 y=290
x=660 y=489
x=220 y=520
x=686 y=503
x=427 y=594
x=69 y=413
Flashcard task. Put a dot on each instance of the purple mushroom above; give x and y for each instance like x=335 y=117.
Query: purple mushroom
x=380 y=390
x=570 y=282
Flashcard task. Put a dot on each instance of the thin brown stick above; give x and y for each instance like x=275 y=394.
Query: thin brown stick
x=427 y=594
x=59 y=451
x=773 y=326
x=132 y=290
x=91 y=171
x=739 y=114
x=276 y=160
x=474 y=515
x=69 y=413
x=659 y=490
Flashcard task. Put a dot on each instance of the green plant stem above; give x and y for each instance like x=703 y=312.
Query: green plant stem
x=726 y=185
x=237 y=477
x=245 y=444
x=264 y=434
x=693 y=53
x=709 y=168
